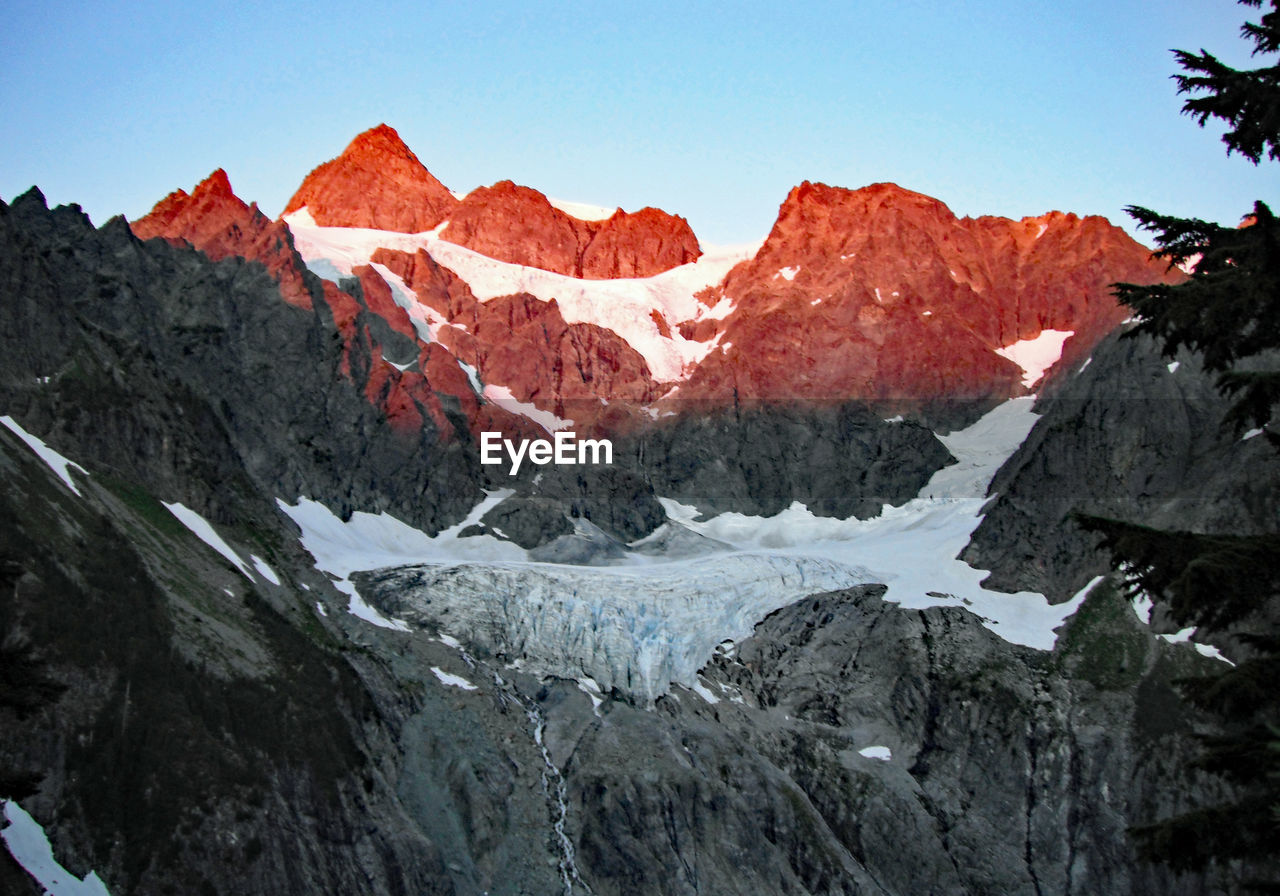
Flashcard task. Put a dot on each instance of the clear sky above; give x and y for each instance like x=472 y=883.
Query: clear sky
x=712 y=111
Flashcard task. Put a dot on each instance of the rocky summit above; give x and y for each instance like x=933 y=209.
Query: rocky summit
x=519 y=225
x=377 y=182
x=885 y=294
x=820 y=621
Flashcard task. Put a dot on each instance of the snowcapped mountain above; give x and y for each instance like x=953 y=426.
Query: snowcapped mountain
x=271 y=626
x=879 y=295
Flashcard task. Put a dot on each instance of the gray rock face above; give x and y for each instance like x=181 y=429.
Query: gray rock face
x=1011 y=771
x=839 y=460
x=1128 y=438
x=616 y=499
x=135 y=338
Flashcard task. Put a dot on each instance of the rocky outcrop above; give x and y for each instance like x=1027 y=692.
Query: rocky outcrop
x=637 y=244
x=578 y=371
x=215 y=220
x=883 y=294
x=304 y=393
x=848 y=745
x=838 y=459
x=519 y=225
x=1132 y=436
x=377 y=182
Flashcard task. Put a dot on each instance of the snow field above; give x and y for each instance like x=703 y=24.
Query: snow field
x=623 y=306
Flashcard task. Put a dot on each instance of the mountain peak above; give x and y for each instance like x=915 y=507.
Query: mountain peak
x=216 y=184
x=518 y=224
x=213 y=219
x=376 y=182
x=383 y=141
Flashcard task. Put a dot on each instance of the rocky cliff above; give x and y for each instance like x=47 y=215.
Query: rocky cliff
x=884 y=295
x=519 y=225
x=1133 y=436
x=376 y=182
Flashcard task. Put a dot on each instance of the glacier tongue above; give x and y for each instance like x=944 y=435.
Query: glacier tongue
x=635 y=628
x=657 y=617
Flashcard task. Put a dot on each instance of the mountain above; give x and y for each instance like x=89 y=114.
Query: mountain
x=221 y=225
x=377 y=182
x=520 y=225
x=268 y=624
x=884 y=294
x=879 y=294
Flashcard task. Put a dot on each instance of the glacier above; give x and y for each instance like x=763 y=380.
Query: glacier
x=635 y=628
x=656 y=616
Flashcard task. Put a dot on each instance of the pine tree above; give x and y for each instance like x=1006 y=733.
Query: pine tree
x=1228 y=310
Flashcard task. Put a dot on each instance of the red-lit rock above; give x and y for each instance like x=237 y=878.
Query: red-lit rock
x=377 y=182
x=217 y=222
x=524 y=344
x=883 y=294
x=519 y=225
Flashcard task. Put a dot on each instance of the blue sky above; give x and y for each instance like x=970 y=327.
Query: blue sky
x=712 y=111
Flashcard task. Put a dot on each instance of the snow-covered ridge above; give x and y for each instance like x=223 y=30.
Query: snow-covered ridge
x=624 y=306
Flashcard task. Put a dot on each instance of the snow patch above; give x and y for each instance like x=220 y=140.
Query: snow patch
x=1142 y=607
x=425 y=319
x=29 y=846
x=1250 y=434
x=877 y=752
x=373 y=541
x=56 y=461
x=1184 y=637
x=719 y=311
x=204 y=530
x=583 y=211
x=453 y=681
x=503 y=398
x=1037 y=354
x=264 y=570
x=787 y=273
x=699 y=688
x=1173 y=366
x=589 y=687
x=473 y=376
